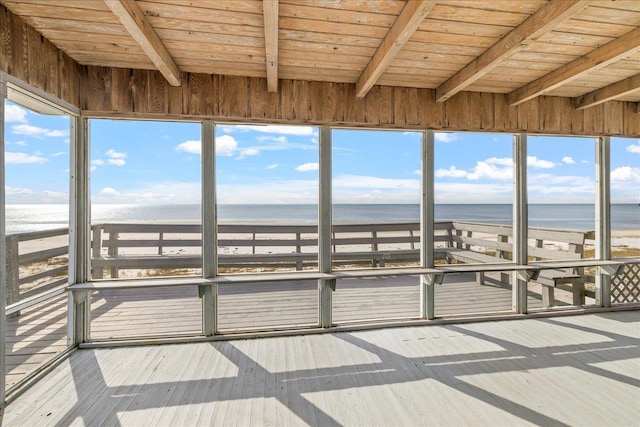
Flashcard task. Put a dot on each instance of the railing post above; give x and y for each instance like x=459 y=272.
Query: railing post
x=520 y=220
x=603 y=218
x=13 y=270
x=96 y=247
x=113 y=251
x=427 y=250
x=325 y=287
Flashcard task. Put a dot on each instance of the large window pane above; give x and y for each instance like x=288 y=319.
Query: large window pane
x=473 y=211
x=36 y=168
x=267 y=194
x=145 y=199
x=561 y=186
x=376 y=199
x=625 y=197
x=376 y=222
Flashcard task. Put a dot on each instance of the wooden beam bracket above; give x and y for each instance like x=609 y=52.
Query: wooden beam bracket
x=136 y=24
x=598 y=58
x=541 y=22
x=613 y=91
x=400 y=32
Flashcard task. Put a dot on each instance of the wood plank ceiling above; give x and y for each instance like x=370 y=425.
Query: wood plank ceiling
x=584 y=49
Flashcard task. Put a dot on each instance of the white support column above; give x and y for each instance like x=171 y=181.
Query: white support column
x=3 y=252
x=427 y=285
x=79 y=318
x=520 y=221
x=603 y=218
x=325 y=287
x=209 y=230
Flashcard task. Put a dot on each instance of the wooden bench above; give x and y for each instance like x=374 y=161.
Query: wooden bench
x=475 y=243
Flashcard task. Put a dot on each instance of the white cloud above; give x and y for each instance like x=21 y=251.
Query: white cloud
x=248 y=152
x=58 y=154
x=117 y=162
x=24 y=158
x=20 y=143
x=489 y=170
x=97 y=162
x=14 y=113
x=226 y=145
x=536 y=163
x=116 y=158
x=417 y=172
x=109 y=191
x=502 y=161
x=270 y=192
x=308 y=167
x=453 y=192
x=272 y=166
x=272 y=138
x=152 y=193
x=37 y=132
x=452 y=172
x=446 y=137
x=625 y=174
x=362 y=181
x=18 y=191
x=634 y=148
x=54 y=197
x=584 y=162
x=113 y=154
x=275 y=129
x=568 y=160
x=193 y=147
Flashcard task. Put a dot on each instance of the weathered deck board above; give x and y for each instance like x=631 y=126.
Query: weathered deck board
x=40 y=332
x=470 y=374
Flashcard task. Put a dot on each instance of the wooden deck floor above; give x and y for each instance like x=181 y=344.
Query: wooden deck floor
x=579 y=370
x=40 y=332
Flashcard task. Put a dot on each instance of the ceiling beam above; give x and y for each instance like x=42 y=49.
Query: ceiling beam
x=613 y=91
x=598 y=58
x=541 y=22
x=270 y=13
x=400 y=32
x=136 y=24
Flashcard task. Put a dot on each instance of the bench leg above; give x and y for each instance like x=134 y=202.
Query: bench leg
x=548 y=297
x=578 y=293
x=480 y=278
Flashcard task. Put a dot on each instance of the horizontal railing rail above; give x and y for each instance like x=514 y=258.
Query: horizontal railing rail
x=31 y=273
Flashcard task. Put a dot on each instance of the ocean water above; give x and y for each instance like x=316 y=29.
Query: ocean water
x=21 y=218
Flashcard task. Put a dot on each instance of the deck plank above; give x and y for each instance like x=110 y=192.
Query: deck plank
x=471 y=374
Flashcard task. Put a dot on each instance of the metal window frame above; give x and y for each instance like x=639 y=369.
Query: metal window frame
x=77 y=208
x=603 y=218
x=520 y=221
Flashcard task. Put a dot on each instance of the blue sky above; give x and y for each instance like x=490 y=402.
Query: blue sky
x=159 y=163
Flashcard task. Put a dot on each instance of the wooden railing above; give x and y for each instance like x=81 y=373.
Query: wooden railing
x=42 y=269
x=149 y=246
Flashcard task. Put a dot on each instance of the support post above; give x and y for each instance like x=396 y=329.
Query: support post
x=12 y=273
x=79 y=313
x=520 y=221
x=209 y=230
x=325 y=287
x=603 y=218
x=427 y=284
x=3 y=253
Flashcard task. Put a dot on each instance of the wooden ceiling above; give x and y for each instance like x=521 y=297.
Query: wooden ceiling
x=584 y=49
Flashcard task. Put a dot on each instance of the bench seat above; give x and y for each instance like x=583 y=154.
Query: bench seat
x=549 y=278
